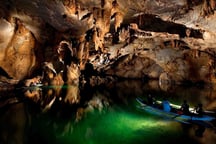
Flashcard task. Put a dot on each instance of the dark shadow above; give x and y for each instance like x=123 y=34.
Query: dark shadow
x=153 y=23
x=199 y=131
x=4 y=73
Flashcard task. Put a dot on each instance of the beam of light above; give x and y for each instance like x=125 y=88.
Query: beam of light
x=122 y=127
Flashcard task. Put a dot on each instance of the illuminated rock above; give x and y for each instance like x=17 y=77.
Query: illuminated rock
x=146 y=38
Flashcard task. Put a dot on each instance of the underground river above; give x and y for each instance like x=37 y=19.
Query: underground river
x=105 y=114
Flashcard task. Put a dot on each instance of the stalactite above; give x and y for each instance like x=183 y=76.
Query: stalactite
x=208 y=7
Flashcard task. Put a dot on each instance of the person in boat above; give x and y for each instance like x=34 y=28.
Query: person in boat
x=166 y=105
x=151 y=100
x=185 y=107
x=199 y=109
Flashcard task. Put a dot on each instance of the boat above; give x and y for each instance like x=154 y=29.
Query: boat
x=174 y=113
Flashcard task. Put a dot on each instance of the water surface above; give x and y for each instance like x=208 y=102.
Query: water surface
x=107 y=114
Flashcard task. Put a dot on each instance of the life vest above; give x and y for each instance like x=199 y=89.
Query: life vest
x=166 y=106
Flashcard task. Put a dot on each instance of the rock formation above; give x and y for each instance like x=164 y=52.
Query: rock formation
x=172 y=41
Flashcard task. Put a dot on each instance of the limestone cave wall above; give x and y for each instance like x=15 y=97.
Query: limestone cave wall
x=169 y=40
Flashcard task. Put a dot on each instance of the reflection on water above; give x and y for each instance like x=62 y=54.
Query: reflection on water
x=103 y=114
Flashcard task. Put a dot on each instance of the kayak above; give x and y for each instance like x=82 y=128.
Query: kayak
x=173 y=114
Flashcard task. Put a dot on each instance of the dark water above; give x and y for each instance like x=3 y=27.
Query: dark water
x=104 y=114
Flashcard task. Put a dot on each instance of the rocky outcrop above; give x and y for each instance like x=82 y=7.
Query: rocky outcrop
x=18 y=58
x=172 y=41
x=166 y=57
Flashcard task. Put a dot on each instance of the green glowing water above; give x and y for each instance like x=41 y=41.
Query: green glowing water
x=117 y=125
